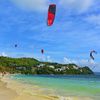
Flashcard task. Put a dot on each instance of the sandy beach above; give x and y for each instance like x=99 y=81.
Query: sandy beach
x=6 y=93
x=12 y=90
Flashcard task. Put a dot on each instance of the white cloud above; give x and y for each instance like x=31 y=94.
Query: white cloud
x=80 y=62
x=95 y=66
x=44 y=58
x=94 y=19
x=3 y=54
x=32 y=5
x=77 y=5
x=68 y=61
x=41 y=5
x=49 y=59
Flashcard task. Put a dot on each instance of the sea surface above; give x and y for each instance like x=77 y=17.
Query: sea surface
x=65 y=85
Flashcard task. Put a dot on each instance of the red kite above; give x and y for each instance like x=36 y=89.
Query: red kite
x=51 y=14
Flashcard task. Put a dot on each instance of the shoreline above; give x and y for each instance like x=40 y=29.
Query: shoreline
x=5 y=92
x=20 y=91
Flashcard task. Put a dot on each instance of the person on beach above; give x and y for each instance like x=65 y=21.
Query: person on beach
x=3 y=73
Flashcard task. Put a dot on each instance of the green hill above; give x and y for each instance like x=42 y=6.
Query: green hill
x=33 y=66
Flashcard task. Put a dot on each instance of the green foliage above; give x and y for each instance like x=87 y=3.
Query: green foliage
x=31 y=66
x=45 y=70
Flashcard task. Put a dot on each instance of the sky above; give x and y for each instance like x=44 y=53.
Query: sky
x=74 y=33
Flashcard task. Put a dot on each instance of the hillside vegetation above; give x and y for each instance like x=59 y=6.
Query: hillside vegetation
x=33 y=66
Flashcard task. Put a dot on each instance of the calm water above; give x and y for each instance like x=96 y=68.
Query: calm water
x=72 y=85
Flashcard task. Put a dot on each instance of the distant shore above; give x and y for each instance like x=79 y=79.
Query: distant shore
x=36 y=67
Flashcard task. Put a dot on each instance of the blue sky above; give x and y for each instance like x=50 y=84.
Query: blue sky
x=75 y=32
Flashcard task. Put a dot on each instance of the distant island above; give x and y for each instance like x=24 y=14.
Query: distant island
x=33 y=66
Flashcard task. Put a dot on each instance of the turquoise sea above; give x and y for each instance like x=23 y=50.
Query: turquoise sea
x=65 y=85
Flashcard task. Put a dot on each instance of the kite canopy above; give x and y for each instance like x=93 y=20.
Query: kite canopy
x=42 y=51
x=51 y=14
x=15 y=45
x=91 y=54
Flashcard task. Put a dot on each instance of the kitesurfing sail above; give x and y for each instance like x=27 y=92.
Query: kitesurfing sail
x=42 y=51
x=51 y=14
x=91 y=54
x=15 y=45
x=92 y=63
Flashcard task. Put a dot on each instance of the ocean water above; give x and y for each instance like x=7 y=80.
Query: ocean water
x=65 y=85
